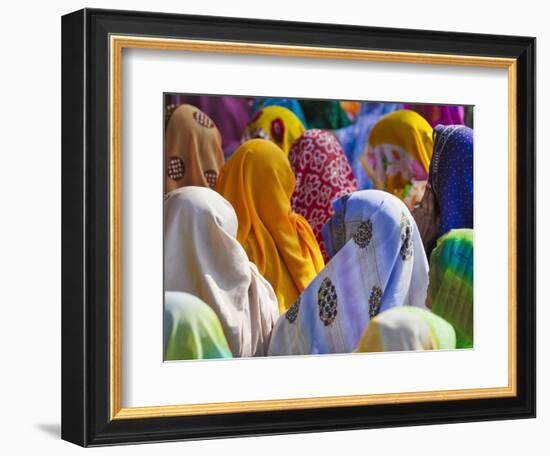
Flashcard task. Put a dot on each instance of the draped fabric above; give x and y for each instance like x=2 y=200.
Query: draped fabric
x=439 y=114
x=202 y=257
x=324 y=114
x=451 y=283
x=407 y=328
x=323 y=174
x=380 y=265
x=277 y=124
x=354 y=137
x=230 y=114
x=292 y=104
x=193 y=152
x=192 y=329
x=398 y=155
x=452 y=176
x=258 y=181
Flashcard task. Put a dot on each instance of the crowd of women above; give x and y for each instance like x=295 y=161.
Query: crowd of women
x=297 y=227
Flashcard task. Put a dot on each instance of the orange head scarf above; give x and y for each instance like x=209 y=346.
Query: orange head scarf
x=258 y=181
x=193 y=149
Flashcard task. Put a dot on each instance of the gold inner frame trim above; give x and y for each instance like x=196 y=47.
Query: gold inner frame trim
x=117 y=44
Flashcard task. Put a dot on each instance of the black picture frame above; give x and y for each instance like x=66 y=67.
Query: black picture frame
x=85 y=227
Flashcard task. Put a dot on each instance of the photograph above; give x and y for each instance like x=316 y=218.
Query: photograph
x=300 y=227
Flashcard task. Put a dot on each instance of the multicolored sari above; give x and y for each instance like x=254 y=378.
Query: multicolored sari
x=398 y=155
x=379 y=263
x=354 y=137
x=258 y=181
x=450 y=293
x=191 y=329
x=407 y=328
x=323 y=174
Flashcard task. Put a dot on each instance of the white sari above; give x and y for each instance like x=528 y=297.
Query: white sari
x=378 y=263
x=203 y=257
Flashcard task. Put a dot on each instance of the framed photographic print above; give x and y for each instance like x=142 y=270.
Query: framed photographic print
x=280 y=227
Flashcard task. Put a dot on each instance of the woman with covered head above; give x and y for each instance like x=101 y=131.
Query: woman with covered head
x=448 y=202
x=192 y=149
x=258 y=181
x=398 y=154
x=192 y=330
x=203 y=257
x=406 y=328
x=323 y=174
x=451 y=291
x=276 y=124
x=378 y=263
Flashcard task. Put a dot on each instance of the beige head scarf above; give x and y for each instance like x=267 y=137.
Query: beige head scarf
x=203 y=257
x=193 y=149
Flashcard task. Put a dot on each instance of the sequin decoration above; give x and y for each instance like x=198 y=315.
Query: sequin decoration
x=406 y=238
x=168 y=111
x=211 y=178
x=363 y=235
x=277 y=130
x=176 y=168
x=327 y=301
x=203 y=120
x=375 y=299
x=257 y=133
x=292 y=313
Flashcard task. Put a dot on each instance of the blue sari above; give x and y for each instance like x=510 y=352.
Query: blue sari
x=452 y=176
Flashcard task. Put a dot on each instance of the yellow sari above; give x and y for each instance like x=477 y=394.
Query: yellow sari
x=398 y=155
x=258 y=181
x=277 y=124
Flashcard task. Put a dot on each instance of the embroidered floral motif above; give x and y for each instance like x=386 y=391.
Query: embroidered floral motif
x=211 y=178
x=374 y=301
x=327 y=301
x=176 y=168
x=363 y=235
x=277 y=130
x=292 y=312
x=203 y=120
x=406 y=238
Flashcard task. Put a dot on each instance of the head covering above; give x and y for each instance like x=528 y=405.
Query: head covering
x=381 y=265
x=323 y=174
x=202 y=257
x=277 y=124
x=452 y=176
x=325 y=114
x=230 y=114
x=439 y=114
x=352 y=108
x=258 y=181
x=291 y=104
x=398 y=155
x=354 y=137
x=407 y=328
x=192 y=329
x=451 y=283
x=192 y=149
